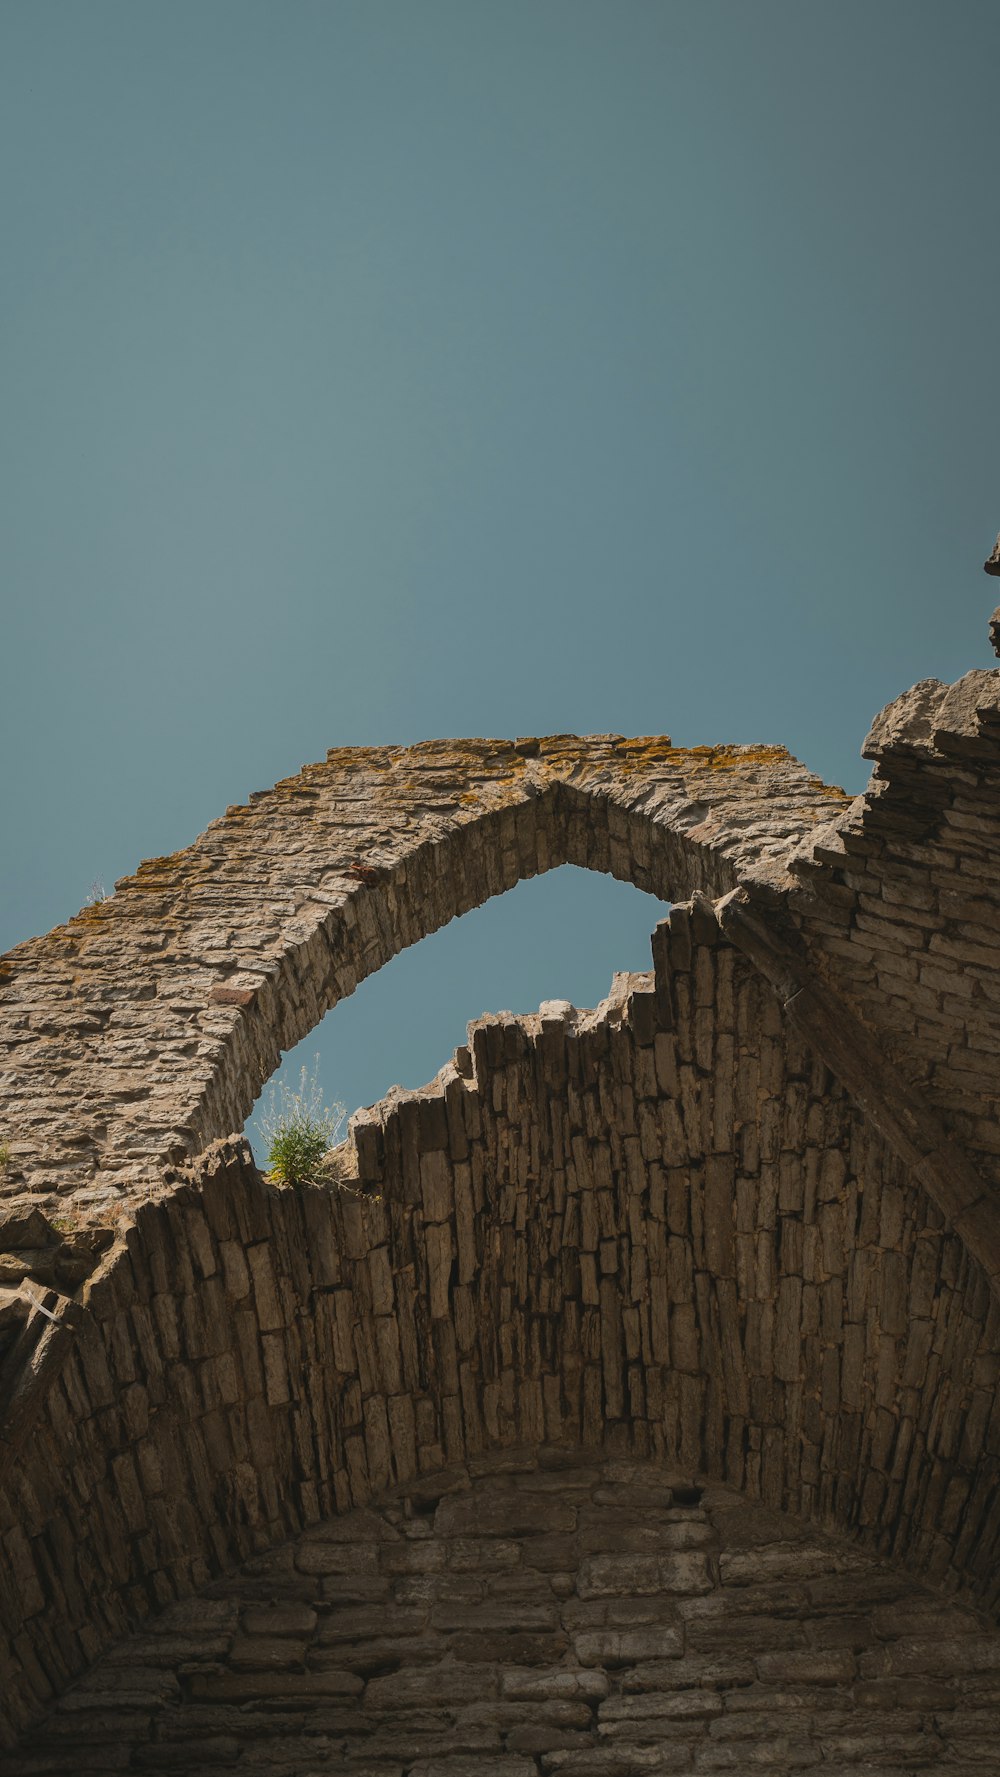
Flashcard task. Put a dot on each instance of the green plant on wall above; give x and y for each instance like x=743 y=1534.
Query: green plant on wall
x=298 y=1128
x=4 y=1158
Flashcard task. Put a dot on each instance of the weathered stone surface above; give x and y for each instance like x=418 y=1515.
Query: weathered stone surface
x=741 y=1220
x=249 y=1359
x=141 y=1031
x=248 y=1686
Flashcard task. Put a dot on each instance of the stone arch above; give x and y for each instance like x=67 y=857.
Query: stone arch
x=789 y=1294
x=660 y=1228
x=526 y=1610
x=143 y=1029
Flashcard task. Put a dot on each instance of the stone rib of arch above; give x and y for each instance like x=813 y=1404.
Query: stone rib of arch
x=659 y=1228
x=145 y=1027
x=852 y=1377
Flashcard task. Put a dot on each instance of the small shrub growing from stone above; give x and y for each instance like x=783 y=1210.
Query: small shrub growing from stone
x=4 y=1158
x=298 y=1128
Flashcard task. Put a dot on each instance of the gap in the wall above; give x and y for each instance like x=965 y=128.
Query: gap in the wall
x=558 y=936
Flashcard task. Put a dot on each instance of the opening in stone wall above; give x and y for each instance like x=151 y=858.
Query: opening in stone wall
x=558 y=936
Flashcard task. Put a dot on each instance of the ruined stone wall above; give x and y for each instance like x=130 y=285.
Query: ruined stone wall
x=661 y=1228
x=898 y=913
x=553 y=1613
x=743 y=1218
x=142 y=1030
x=145 y=1028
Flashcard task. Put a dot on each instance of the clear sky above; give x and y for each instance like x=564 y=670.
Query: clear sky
x=436 y=367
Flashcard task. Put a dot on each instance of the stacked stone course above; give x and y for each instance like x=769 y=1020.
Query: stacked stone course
x=740 y=1221
x=900 y=915
x=144 y=1029
x=659 y=1228
x=558 y=1613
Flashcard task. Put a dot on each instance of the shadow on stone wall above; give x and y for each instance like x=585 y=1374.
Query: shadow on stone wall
x=660 y=1228
x=558 y=1612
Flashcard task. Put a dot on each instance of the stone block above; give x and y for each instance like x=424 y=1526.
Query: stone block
x=627 y=1647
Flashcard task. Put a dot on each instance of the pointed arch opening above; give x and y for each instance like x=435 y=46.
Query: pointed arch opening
x=560 y=936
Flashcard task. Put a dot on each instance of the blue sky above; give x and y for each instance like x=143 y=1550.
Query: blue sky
x=387 y=370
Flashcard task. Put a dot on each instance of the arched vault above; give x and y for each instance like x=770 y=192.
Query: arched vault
x=145 y=1027
x=744 y=1214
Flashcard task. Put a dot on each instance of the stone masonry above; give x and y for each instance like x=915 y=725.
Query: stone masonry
x=735 y=1234
x=144 y=1029
x=553 y=1613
